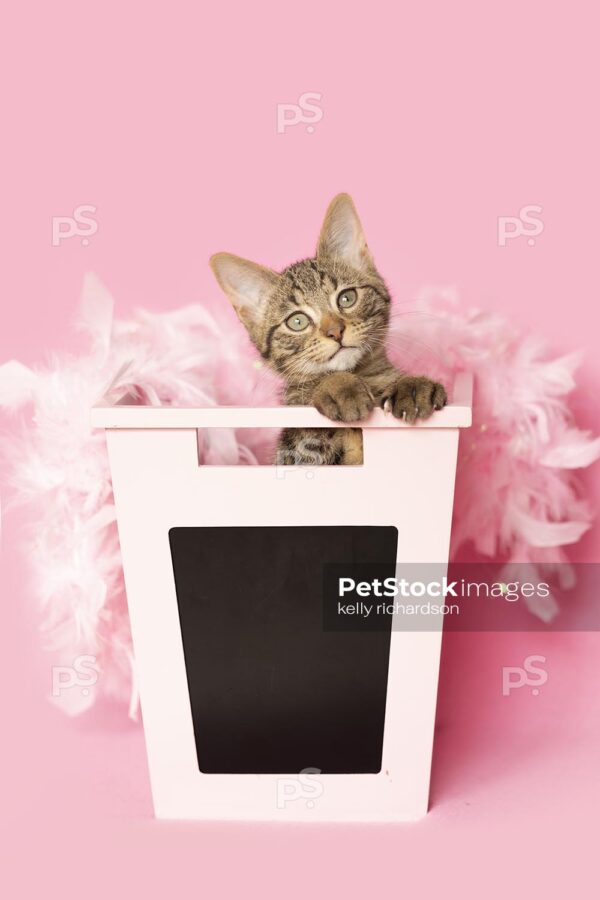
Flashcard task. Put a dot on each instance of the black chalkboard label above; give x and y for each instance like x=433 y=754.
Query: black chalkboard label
x=271 y=690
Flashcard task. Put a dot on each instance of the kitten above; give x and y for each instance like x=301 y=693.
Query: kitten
x=322 y=324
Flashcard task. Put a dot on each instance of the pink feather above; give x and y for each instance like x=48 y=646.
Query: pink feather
x=517 y=499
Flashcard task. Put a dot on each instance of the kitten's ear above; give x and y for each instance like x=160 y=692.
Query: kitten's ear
x=342 y=235
x=246 y=284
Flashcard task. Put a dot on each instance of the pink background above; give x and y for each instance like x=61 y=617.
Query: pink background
x=438 y=118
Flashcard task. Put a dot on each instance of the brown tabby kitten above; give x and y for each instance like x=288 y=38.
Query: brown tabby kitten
x=322 y=324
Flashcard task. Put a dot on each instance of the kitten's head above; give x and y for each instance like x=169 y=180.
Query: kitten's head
x=320 y=315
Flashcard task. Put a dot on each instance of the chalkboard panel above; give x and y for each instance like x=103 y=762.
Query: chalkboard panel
x=270 y=690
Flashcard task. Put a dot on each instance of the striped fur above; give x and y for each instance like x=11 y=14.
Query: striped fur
x=337 y=362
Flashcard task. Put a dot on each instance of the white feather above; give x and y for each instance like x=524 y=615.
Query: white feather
x=516 y=498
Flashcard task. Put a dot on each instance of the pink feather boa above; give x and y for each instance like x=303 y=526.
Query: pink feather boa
x=517 y=498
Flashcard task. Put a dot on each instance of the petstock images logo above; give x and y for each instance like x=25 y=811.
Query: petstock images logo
x=462 y=596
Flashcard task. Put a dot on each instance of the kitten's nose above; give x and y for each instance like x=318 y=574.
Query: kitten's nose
x=335 y=330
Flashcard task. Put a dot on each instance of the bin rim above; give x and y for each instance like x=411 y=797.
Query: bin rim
x=106 y=414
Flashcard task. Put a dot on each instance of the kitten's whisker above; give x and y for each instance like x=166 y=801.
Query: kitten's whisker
x=406 y=341
x=397 y=314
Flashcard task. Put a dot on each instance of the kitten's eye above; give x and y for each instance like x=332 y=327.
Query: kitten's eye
x=347 y=298
x=297 y=322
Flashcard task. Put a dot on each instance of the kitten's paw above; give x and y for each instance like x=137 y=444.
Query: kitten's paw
x=343 y=397
x=413 y=398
